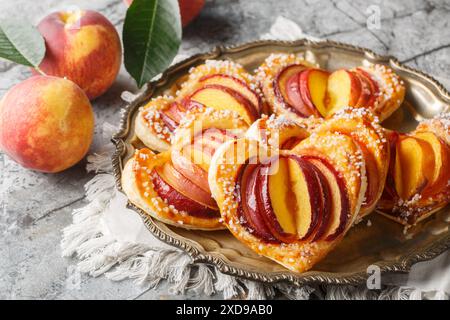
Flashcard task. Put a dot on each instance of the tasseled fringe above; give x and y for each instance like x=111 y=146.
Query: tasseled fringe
x=438 y=295
x=258 y=290
x=228 y=285
x=348 y=292
x=100 y=253
x=202 y=279
x=98 y=162
x=295 y=293
x=362 y=293
x=400 y=293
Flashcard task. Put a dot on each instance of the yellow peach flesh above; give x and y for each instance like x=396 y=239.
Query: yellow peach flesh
x=279 y=196
x=302 y=200
x=335 y=216
x=235 y=85
x=317 y=84
x=413 y=158
x=221 y=100
x=438 y=152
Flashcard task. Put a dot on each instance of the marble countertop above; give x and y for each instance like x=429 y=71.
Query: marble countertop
x=35 y=207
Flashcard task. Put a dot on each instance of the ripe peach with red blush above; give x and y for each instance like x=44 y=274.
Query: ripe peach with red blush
x=82 y=46
x=46 y=123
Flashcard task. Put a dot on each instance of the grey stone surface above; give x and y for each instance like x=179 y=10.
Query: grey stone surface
x=36 y=207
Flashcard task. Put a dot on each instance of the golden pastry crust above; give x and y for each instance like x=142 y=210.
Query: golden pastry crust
x=297 y=256
x=150 y=127
x=278 y=132
x=439 y=125
x=391 y=90
x=266 y=73
x=413 y=211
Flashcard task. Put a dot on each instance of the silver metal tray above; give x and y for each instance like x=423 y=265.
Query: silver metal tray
x=383 y=243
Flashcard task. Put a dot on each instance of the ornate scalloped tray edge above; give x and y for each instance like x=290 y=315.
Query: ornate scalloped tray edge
x=195 y=250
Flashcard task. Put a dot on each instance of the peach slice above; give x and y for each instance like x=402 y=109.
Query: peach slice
x=290 y=143
x=189 y=105
x=326 y=206
x=366 y=92
x=214 y=138
x=287 y=90
x=413 y=158
x=178 y=200
x=249 y=207
x=374 y=89
x=223 y=98
x=373 y=178
x=190 y=170
x=274 y=197
x=200 y=156
x=184 y=186
x=441 y=171
x=306 y=192
x=170 y=123
x=205 y=144
x=175 y=112
x=343 y=89
x=313 y=88
x=235 y=84
x=340 y=205
x=294 y=96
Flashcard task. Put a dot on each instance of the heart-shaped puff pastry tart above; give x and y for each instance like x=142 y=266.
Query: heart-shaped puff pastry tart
x=172 y=186
x=292 y=206
x=419 y=172
x=216 y=84
x=297 y=88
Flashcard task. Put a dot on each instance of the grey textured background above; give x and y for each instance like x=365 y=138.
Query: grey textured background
x=35 y=207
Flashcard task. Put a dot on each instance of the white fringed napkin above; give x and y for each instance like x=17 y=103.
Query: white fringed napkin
x=109 y=239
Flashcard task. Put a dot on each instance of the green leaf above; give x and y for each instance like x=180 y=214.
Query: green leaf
x=151 y=37
x=21 y=43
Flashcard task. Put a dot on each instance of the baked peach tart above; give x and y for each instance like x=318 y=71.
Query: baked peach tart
x=292 y=206
x=172 y=186
x=216 y=84
x=297 y=88
x=419 y=172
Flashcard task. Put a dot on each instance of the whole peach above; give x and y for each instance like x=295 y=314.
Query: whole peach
x=82 y=46
x=46 y=123
x=189 y=9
